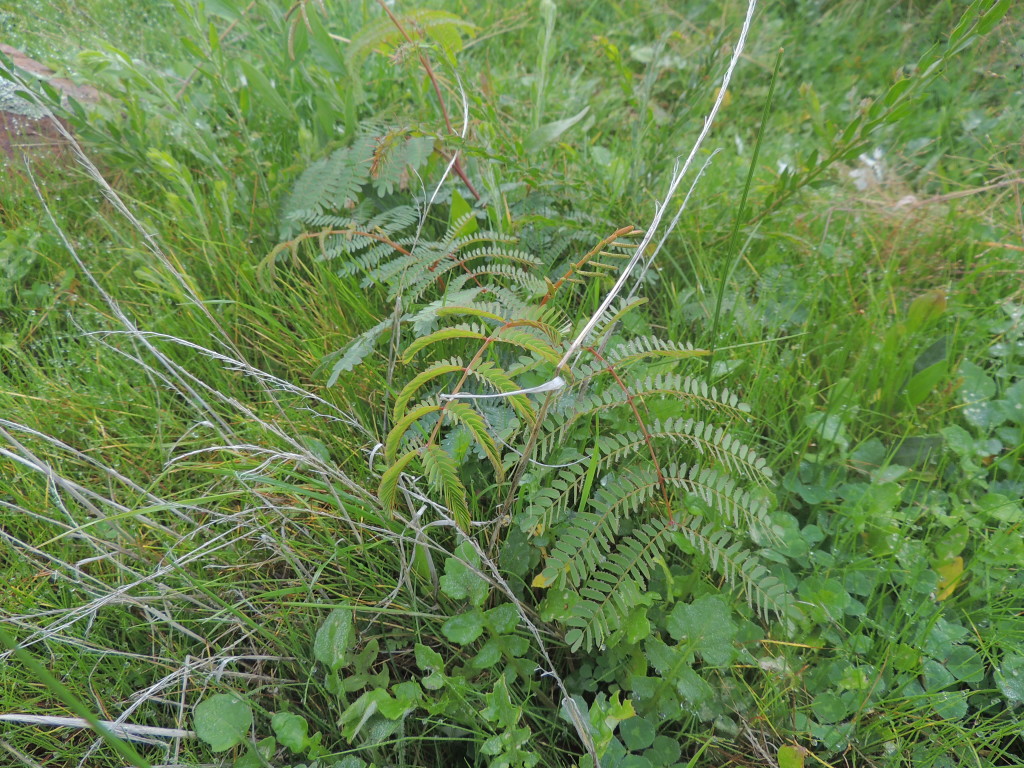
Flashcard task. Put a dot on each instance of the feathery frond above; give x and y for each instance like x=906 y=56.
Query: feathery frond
x=633 y=457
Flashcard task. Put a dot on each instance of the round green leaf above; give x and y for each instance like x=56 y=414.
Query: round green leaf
x=334 y=639
x=827 y=596
x=965 y=664
x=828 y=708
x=636 y=761
x=464 y=628
x=502 y=619
x=692 y=687
x=791 y=756
x=462 y=580
x=291 y=730
x=637 y=733
x=664 y=751
x=223 y=721
x=488 y=656
x=1010 y=678
x=636 y=625
x=707 y=626
x=936 y=676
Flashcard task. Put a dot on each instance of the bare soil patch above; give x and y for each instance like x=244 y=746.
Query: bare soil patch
x=24 y=128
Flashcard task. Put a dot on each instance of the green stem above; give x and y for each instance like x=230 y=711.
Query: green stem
x=58 y=689
x=734 y=237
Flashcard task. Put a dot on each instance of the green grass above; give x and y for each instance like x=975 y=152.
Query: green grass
x=184 y=504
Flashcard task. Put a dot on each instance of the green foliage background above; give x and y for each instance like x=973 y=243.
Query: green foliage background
x=774 y=516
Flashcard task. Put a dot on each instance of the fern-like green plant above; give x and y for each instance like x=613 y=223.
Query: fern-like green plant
x=624 y=459
x=387 y=33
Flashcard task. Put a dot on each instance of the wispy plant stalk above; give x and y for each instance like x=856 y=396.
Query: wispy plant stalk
x=548 y=11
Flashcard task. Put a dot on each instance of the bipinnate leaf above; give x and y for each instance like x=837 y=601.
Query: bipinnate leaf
x=524 y=339
x=441 y=27
x=394 y=438
x=417 y=382
x=616 y=586
x=387 y=491
x=445 y=334
x=443 y=474
x=474 y=422
x=329 y=183
x=494 y=375
x=461 y=220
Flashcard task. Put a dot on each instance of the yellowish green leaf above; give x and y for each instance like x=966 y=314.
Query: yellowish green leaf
x=474 y=422
x=445 y=334
x=410 y=389
x=388 y=488
x=791 y=756
x=394 y=438
x=950 y=575
x=443 y=475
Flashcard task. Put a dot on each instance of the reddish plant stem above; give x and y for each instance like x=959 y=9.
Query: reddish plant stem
x=457 y=166
x=325 y=233
x=662 y=485
x=625 y=231
x=435 y=432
